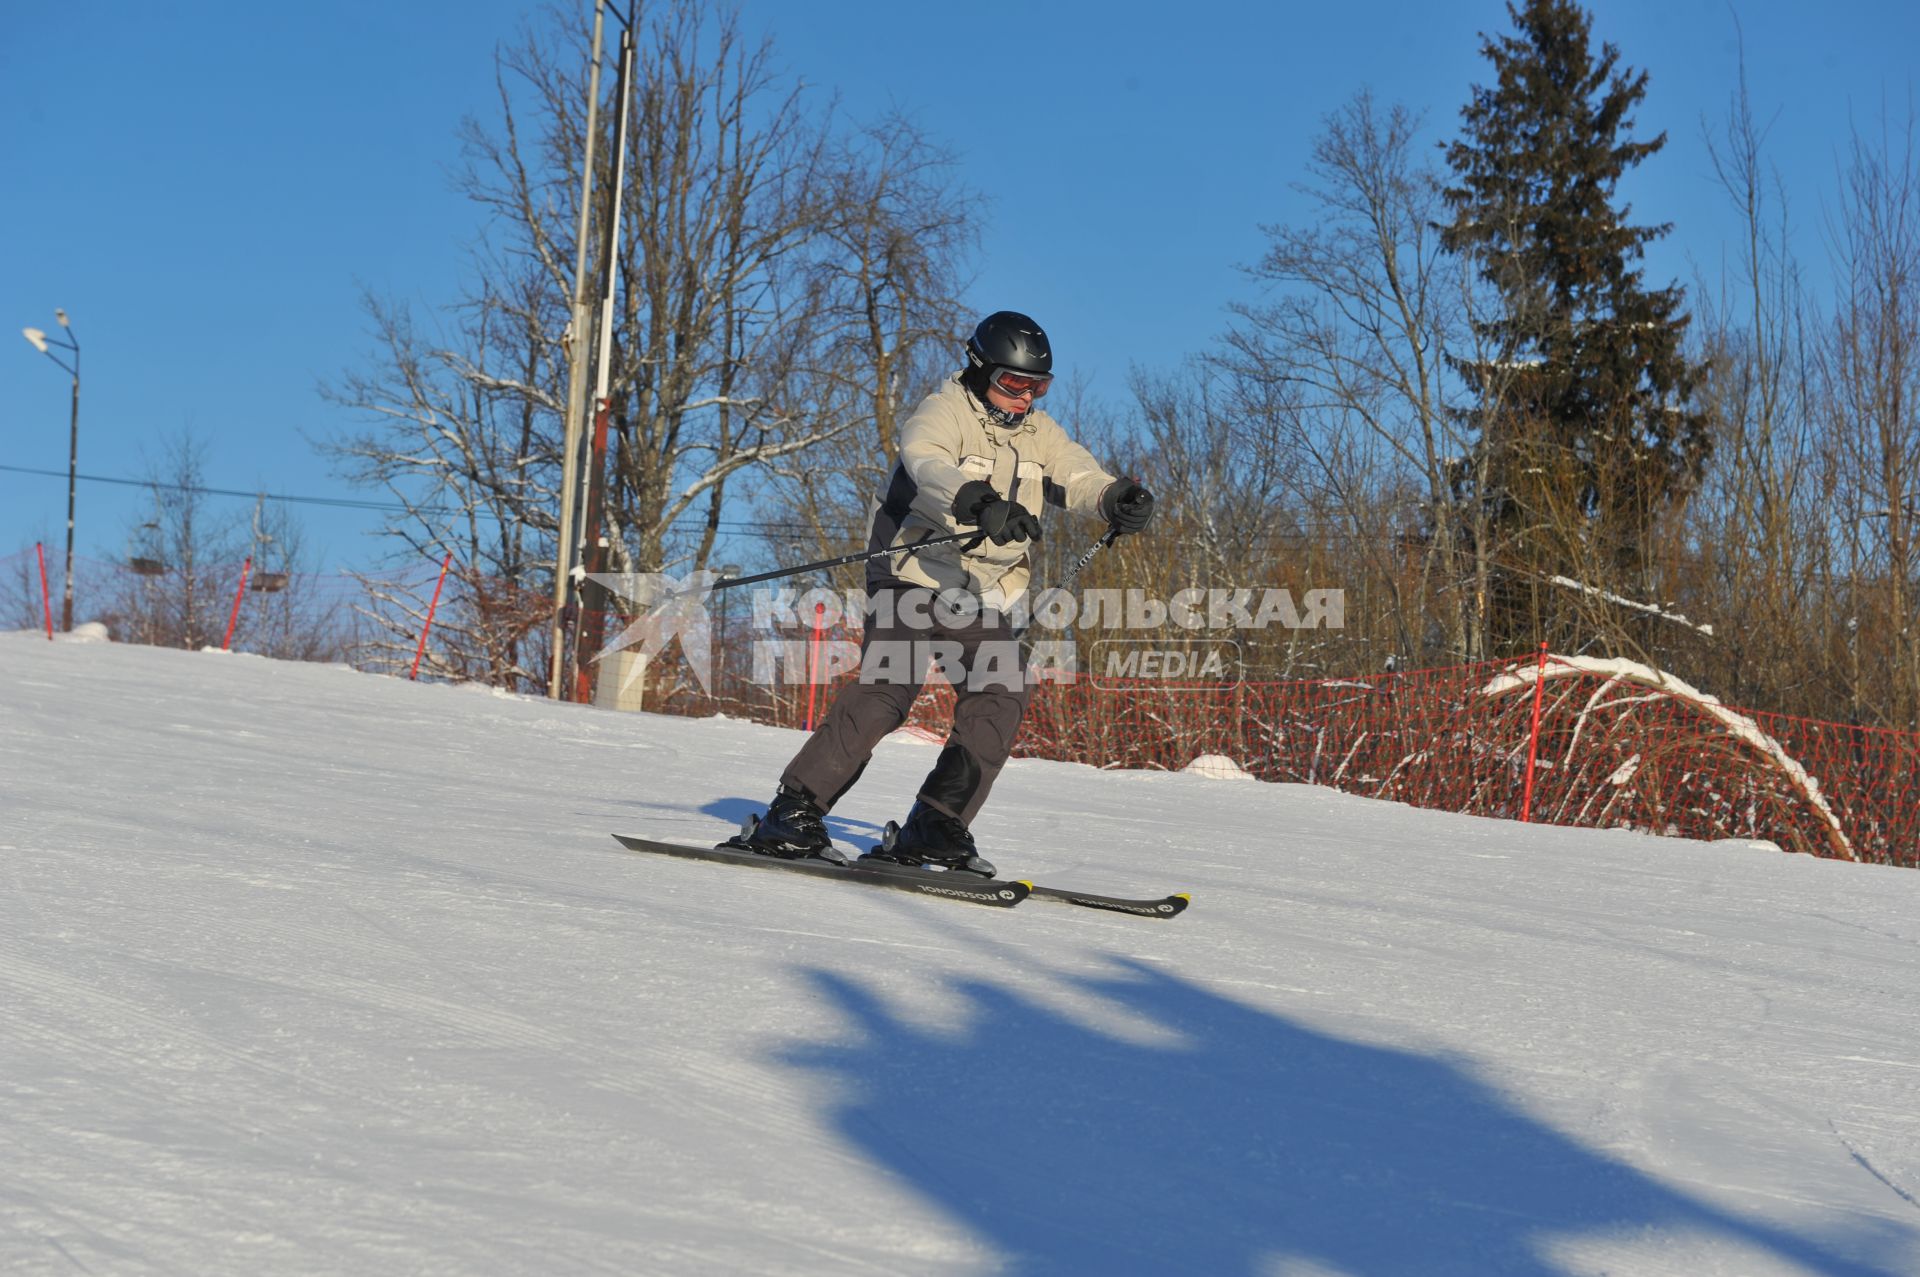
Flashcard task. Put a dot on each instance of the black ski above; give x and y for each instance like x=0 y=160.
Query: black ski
x=1002 y=893
x=1164 y=907
x=999 y=893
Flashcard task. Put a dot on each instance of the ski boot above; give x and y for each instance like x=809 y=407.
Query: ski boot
x=931 y=839
x=794 y=828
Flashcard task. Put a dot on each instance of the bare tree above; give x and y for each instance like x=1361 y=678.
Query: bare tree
x=1246 y=505
x=886 y=277
x=192 y=556
x=287 y=613
x=1755 y=539
x=726 y=164
x=21 y=602
x=464 y=444
x=1870 y=373
x=898 y=227
x=778 y=279
x=1348 y=346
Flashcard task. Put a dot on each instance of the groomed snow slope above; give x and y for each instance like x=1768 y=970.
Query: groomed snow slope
x=309 y=971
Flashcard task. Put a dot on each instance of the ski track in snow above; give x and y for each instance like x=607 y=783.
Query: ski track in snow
x=309 y=971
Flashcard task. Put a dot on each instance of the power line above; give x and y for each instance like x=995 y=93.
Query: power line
x=383 y=507
x=344 y=503
x=768 y=529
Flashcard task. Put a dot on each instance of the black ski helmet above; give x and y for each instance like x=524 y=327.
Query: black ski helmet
x=1008 y=339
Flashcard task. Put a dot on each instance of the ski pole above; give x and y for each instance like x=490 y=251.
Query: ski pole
x=1071 y=575
x=861 y=556
x=1079 y=564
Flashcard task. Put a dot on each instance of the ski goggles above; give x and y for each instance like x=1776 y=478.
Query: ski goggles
x=1009 y=382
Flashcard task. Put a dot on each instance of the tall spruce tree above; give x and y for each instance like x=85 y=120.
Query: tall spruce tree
x=1584 y=399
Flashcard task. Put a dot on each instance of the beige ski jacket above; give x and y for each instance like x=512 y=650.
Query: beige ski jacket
x=949 y=441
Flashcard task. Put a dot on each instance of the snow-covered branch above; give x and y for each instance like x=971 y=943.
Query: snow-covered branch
x=1568 y=583
x=1737 y=725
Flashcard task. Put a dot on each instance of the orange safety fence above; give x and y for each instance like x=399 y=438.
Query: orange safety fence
x=1613 y=751
x=1615 y=747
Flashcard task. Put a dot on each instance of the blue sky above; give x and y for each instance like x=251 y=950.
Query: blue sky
x=207 y=187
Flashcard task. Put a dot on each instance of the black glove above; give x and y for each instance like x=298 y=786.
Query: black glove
x=997 y=518
x=1127 y=505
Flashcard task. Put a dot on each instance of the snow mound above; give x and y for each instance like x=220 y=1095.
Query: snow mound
x=1217 y=767
x=1750 y=844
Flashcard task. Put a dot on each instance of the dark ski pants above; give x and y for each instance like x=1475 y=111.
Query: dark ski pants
x=902 y=645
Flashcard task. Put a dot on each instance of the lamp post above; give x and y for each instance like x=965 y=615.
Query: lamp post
x=45 y=346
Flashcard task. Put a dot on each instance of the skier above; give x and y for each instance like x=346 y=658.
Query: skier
x=977 y=453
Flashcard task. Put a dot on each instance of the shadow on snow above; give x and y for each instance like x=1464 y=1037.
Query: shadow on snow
x=1250 y=1140
x=844 y=829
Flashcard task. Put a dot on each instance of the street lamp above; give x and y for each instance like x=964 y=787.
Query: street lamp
x=45 y=346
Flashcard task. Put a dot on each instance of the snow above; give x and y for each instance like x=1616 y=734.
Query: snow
x=1217 y=767
x=310 y=971
x=85 y=632
x=1677 y=618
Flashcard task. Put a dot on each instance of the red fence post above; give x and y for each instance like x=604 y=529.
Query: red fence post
x=1533 y=735
x=813 y=659
x=246 y=570
x=427 y=628
x=46 y=601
